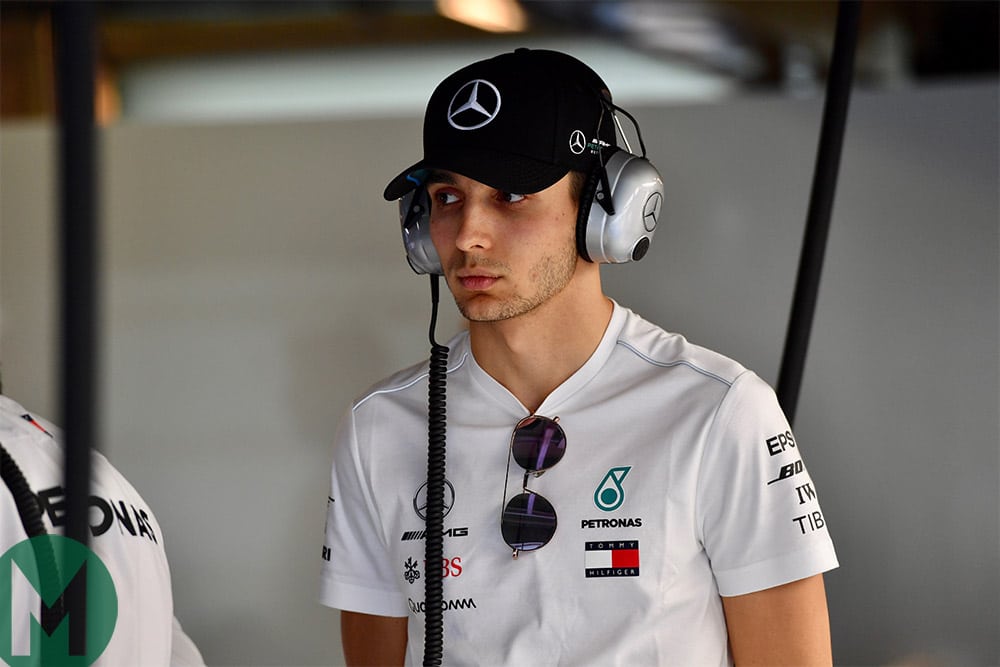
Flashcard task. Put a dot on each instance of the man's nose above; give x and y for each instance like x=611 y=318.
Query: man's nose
x=476 y=228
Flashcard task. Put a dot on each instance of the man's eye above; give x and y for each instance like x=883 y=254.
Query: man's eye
x=510 y=197
x=444 y=197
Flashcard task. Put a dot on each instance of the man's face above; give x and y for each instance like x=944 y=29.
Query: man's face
x=503 y=254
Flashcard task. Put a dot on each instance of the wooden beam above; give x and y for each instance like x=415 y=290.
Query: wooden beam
x=126 y=41
x=27 y=82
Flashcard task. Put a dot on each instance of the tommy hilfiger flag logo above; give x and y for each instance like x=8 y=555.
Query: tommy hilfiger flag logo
x=619 y=558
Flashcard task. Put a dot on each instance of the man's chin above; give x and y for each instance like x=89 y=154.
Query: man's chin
x=486 y=308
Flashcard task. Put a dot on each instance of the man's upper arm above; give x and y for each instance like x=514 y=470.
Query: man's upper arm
x=784 y=625
x=373 y=640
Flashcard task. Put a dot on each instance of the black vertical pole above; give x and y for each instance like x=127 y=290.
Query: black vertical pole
x=838 y=93
x=73 y=32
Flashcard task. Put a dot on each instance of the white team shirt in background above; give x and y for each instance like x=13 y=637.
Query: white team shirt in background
x=125 y=535
x=681 y=482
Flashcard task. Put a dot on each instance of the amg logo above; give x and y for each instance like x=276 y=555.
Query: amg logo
x=421 y=534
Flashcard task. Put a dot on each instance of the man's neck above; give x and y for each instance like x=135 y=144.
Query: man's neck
x=534 y=353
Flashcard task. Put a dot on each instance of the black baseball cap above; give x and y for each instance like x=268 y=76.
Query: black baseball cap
x=517 y=122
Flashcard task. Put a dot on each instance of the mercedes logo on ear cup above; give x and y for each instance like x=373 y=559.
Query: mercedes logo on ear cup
x=475 y=104
x=651 y=211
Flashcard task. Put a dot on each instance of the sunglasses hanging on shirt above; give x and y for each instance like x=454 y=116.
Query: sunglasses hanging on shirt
x=529 y=521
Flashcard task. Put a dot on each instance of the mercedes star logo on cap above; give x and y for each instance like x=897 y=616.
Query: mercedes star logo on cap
x=577 y=142
x=478 y=103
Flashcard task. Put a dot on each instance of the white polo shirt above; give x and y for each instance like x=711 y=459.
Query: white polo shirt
x=681 y=482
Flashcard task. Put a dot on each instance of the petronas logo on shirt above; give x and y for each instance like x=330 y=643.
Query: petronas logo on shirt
x=610 y=495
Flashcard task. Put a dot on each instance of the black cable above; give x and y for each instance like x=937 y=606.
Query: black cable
x=434 y=522
x=824 y=185
x=25 y=499
x=28 y=509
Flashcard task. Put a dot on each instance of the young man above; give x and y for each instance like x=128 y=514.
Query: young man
x=676 y=522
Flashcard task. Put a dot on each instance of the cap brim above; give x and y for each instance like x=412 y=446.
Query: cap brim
x=407 y=180
x=503 y=171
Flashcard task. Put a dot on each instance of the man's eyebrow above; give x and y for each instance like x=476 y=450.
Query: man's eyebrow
x=438 y=176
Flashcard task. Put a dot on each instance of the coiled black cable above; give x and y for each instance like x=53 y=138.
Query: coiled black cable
x=434 y=523
x=31 y=519
x=24 y=498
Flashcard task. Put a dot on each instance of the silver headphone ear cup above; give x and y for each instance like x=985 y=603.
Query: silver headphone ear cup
x=637 y=194
x=415 y=221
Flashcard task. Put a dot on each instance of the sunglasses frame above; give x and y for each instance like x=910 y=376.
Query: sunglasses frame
x=546 y=453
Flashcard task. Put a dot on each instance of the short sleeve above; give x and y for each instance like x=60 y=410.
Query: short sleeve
x=758 y=509
x=356 y=572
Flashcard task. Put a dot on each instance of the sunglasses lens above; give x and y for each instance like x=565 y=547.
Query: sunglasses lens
x=529 y=522
x=538 y=443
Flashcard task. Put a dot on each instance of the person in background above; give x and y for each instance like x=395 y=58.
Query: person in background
x=125 y=536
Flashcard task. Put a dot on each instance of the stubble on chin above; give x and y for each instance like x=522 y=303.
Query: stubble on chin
x=549 y=276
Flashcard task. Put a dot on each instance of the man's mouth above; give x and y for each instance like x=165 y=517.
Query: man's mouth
x=477 y=282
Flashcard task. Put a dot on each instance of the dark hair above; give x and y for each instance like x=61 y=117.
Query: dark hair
x=576 y=182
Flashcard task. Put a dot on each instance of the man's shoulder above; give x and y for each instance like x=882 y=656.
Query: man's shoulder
x=410 y=383
x=660 y=348
x=31 y=444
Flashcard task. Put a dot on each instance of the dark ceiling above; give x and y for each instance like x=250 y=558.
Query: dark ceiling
x=758 y=44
